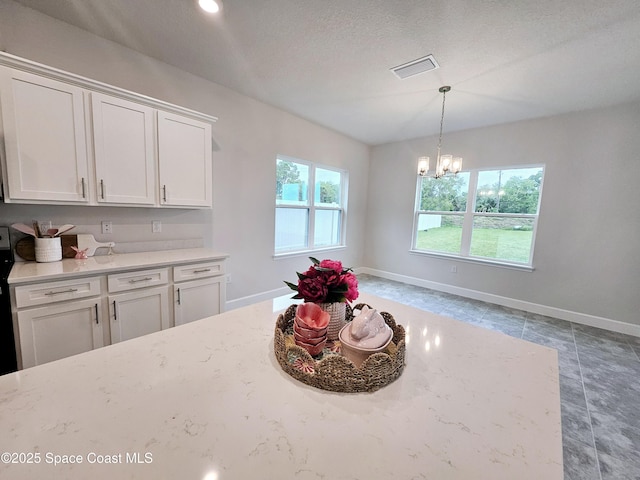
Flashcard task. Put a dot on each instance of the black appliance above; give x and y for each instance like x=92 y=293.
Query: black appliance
x=8 y=361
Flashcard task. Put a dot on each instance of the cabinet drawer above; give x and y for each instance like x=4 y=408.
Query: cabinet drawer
x=50 y=292
x=197 y=270
x=120 y=282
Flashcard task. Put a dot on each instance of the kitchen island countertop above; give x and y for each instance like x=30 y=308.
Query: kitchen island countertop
x=208 y=401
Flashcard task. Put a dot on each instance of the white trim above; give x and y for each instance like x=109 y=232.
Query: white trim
x=479 y=260
x=571 y=316
x=258 y=297
x=306 y=253
x=13 y=61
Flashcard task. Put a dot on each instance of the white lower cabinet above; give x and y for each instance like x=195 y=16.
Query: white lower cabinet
x=57 y=319
x=143 y=305
x=198 y=291
x=197 y=299
x=138 y=313
x=60 y=330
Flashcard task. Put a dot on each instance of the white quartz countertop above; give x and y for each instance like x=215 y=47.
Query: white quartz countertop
x=208 y=401
x=26 y=272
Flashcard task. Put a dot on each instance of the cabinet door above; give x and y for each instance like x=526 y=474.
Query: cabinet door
x=45 y=141
x=124 y=152
x=184 y=155
x=58 y=331
x=138 y=313
x=198 y=299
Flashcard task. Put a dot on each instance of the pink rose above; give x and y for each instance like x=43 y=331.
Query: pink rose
x=334 y=265
x=312 y=272
x=312 y=290
x=331 y=279
x=352 y=286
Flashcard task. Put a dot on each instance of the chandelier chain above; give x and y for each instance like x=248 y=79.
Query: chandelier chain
x=444 y=95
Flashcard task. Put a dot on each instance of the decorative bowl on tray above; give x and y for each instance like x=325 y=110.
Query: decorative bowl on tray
x=358 y=354
x=332 y=370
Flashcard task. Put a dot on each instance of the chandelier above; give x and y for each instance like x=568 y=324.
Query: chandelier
x=445 y=164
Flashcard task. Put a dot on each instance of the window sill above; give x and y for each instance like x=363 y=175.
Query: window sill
x=306 y=253
x=480 y=261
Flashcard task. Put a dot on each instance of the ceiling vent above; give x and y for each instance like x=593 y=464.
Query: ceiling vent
x=415 y=67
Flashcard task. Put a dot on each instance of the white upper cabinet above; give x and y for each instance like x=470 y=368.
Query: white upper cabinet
x=123 y=143
x=72 y=140
x=44 y=137
x=184 y=156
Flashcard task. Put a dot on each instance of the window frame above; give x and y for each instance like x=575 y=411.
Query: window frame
x=311 y=207
x=469 y=215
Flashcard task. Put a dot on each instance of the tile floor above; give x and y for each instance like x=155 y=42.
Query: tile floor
x=599 y=377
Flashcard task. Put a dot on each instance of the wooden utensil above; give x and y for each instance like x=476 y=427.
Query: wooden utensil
x=21 y=227
x=63 y=229
x=56 y=232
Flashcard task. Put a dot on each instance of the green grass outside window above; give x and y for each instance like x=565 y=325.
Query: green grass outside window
x=507 y=245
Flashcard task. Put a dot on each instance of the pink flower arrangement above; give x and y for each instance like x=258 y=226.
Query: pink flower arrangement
x=326 y=281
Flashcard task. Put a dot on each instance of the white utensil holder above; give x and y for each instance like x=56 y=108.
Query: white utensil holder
x=48 y=249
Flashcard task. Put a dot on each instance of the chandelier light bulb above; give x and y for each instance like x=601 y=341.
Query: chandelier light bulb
x=423 y=166
x=456 y=165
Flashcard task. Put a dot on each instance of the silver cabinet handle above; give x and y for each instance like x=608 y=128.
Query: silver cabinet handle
x=84 y=190
x=202 y=270
x=102 y=188
x=70 y=290
x=145 y=279
x=164 y=193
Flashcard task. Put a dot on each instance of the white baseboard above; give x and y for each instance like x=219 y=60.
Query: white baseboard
x=259 y=297
x=571 y=316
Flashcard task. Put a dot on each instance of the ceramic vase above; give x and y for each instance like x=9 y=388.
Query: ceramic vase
x=337 y=311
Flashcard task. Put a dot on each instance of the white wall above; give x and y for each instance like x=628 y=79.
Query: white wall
x=249 y=135
x=586 y=254
x=585 y=260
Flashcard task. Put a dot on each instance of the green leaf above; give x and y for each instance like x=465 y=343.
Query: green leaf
x=315 y=261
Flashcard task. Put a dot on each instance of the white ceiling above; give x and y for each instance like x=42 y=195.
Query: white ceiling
x=328 y=61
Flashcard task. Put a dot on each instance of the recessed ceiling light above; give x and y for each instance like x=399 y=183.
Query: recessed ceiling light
x=210 y=6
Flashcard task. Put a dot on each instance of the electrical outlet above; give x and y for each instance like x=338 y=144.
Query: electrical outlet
x=107 y=228
x=156 y=226
x=454 y=269
x=228 y=278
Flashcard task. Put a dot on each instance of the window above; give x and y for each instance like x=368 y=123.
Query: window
x=308 y=219
x=489 y=215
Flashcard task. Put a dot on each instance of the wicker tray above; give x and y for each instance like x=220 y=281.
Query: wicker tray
x=331 y=371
